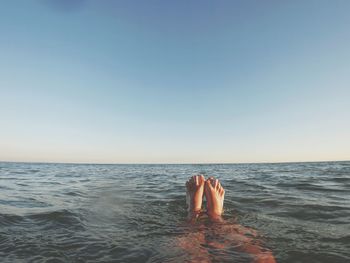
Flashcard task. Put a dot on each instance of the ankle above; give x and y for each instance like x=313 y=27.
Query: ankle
x=215 y=216
x=194 y=215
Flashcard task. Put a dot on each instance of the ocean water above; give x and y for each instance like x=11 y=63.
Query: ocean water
x=137 y=213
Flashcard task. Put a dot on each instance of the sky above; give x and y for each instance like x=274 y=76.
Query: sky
x=174 y=81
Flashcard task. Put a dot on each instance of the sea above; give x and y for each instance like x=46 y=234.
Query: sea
x=137 y=212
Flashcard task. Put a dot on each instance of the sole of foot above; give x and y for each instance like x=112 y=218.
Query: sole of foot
x=194 y=193
x=214 y=194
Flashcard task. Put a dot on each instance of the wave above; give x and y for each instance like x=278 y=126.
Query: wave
x=59 y=218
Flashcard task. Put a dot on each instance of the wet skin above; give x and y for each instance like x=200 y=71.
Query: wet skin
x=236 y=235
x=214 y=194
x=194 y=195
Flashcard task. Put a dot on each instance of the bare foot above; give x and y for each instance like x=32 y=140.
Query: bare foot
x=194 y=194
x=214 y=193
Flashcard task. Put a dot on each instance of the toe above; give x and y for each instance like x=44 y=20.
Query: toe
x=216 y=183
x=196 y=180
x=212 y=181
x=191 y=183
x=201 y=179
x=207 y=184
x=222 y=191
x=192 y=180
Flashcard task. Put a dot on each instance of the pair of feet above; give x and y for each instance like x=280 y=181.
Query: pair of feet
x=196 y=188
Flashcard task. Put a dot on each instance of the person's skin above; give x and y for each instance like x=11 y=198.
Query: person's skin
x=242 y=238
x=214 y=194
x=194 y=196
x=192 y=244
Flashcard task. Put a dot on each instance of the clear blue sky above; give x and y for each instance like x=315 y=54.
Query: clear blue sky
x=174 y=81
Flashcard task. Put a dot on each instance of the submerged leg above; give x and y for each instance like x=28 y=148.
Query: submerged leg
x=193 y=246
x=231 y=235
x=225 y=236
x=193 y=242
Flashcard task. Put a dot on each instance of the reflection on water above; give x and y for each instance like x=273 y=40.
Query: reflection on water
x=136 y=213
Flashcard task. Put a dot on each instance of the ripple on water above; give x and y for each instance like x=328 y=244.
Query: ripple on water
x=136 y=213
x=63 y=218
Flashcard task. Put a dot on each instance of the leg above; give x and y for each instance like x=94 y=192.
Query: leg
x=192 y=242
x=192 y=246
x=234 y=235
x=242 y=239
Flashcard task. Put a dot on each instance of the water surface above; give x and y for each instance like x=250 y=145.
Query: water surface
x=136 y=213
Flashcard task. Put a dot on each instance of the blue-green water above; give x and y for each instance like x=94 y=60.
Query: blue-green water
x=136 y=213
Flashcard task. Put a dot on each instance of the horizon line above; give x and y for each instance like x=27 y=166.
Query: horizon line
x=199 y=163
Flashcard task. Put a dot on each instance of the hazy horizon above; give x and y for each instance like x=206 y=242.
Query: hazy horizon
x=238 y=163
x=174 y=82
